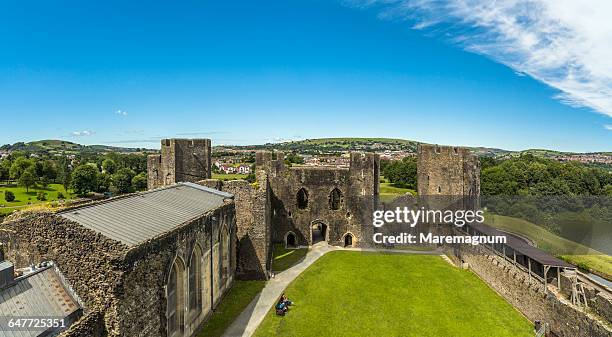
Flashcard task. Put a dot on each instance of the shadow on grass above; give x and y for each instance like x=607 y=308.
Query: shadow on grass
x=285 y=258
x=232 y=304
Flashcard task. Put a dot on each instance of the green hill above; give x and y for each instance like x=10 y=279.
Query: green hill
x=62 y=146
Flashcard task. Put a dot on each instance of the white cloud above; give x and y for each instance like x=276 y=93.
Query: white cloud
x=121 y=113
x=82 y=133
x=608 y=127
x=566 y=44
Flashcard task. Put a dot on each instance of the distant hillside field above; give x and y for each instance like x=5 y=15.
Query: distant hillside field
x=62 y=146
x=334 y=145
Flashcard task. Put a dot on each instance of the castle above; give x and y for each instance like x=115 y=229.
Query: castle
x=157 y=263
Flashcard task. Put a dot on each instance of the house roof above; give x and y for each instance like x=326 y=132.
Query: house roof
x=40 y=294
x=136 y=218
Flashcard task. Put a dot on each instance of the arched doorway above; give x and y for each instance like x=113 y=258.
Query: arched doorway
x=348 y=240
x=318 y=231
x=290 y=240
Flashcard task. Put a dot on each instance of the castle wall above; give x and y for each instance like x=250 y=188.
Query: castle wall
x=252 y=222
x=357 y=186
x=528 y=296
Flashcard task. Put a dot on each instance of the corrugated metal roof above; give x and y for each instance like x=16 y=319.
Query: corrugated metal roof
x=139 y=217
x=40 y=295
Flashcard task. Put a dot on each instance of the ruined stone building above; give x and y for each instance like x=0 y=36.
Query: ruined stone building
x=311 y=204
x=296 y=205
x=147 y=264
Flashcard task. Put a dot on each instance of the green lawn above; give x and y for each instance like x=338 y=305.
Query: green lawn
x=231 y=176
x=360 y=294
x=285 y=258
x=388 y=191
x=570 y=251
x=22 y=198
x=239 y=296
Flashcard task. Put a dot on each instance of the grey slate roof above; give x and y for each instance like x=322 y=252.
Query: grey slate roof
x=142 y=216
x=39 y=295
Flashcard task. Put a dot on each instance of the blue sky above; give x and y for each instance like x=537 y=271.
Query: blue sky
x=250 y=72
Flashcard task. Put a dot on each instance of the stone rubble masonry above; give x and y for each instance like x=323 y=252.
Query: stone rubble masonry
x=447 y=170
x=122 y=288
x=358 y=186
x=565 y=319
x=252 y=222
x=181 y=160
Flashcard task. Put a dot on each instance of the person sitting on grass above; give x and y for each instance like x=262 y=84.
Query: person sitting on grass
x=281 y=307
x=285 y=300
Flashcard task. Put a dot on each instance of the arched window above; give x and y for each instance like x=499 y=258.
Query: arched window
x=302 y=198
x=195 y=281
x=335 y=199
x=175 y=299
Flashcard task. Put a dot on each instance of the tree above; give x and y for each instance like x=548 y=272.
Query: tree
x=9 y=196
x=64 y=174
x=293 y=158
x=122 y=180
x=49 y=170
x=84 y=179
x=19 y=166
x=139 y=182
x=109 y=166
x=402 y=173
x=104 y=182
x=28 y=178
x=5 y=168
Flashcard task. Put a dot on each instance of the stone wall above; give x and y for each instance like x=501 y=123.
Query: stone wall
x=181 y=160
x=90 y=325
x=252 y=222
x=528 y=296
x=356 y=187
x=125 y=285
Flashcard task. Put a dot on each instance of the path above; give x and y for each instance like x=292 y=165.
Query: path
x=256 y=311
x=250 y=318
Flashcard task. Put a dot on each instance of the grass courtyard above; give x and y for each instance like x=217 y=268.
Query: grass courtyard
x=372 y=294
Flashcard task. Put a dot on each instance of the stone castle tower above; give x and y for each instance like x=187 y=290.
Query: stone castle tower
x=447 y=171
x=181 y=160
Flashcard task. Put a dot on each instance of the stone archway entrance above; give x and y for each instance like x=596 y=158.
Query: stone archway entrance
x=318 y=231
